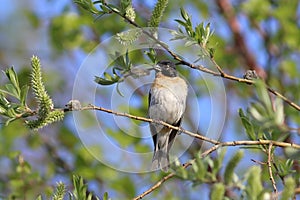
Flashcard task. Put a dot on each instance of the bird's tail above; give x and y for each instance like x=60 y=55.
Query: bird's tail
x=161 y=159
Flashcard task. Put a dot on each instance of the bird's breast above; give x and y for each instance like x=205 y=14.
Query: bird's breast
x=168 y=99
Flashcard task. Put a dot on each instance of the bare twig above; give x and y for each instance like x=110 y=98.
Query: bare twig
x=215 y=142
x=220 y=72
x=93 y=107
x=155 y=186
x=270 y=170
x=258 y=162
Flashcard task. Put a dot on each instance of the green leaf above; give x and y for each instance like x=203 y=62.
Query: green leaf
x=119 y=91
x=105 y=196
x=289 y=188
x=103 y=81
x=184 y=14
x=3 y=101
x=218 y=191
x=87 y=5
x=11 y=119
x=211 y=52
x=2 y=110
x=39 y=197
x=279 y=114
x=107 y=76
x=218 y=163
x=13 y=78
x=229 y=170
x=2 y=92
x=23 y=95
x=12 y=90
x=200 y=35
x=79 y=188
x=11 y=112
x=263 y=95
x=182 y=23
x=254 y=188
x=285 y=167
x=199 y=168
x=247 y=125
x=151 y=55
x=258 y=112
x=181 y=172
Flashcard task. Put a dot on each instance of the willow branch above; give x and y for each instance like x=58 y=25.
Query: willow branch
x=220 y=72
x=215 y=142
x=270 y=170
x=93 y=107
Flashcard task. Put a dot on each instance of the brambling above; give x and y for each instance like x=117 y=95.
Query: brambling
x=167 y=102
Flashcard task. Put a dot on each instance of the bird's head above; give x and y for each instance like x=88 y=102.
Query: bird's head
x=166 y=67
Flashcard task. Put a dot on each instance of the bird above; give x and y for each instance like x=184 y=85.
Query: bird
x=167 y=102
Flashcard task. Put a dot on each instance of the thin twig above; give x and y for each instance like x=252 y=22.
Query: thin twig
x=155 y=186
x=93 y=107
x=258 y=162
x=270 y=170
x=215 y=142
x=220 y=72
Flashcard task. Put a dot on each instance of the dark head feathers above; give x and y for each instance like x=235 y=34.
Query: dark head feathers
x=167 y=68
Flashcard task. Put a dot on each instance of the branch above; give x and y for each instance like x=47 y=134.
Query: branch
x=220 y=72
x=215 y=142
x=200 y=137
x=270 y=170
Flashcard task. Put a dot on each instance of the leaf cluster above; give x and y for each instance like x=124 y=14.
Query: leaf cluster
x=264 y=119
x=80 y=191
x=209 y=171
x=46 y=114
x=13 y=90
x=198 y=35
x=122 y=67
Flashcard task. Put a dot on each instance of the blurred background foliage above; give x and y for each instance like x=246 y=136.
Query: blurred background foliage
x=62 y=34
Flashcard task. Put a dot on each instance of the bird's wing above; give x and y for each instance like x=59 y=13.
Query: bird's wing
x=152 y=128
x=173 y=134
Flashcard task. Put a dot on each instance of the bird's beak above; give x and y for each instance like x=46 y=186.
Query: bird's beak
x=157 y=68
